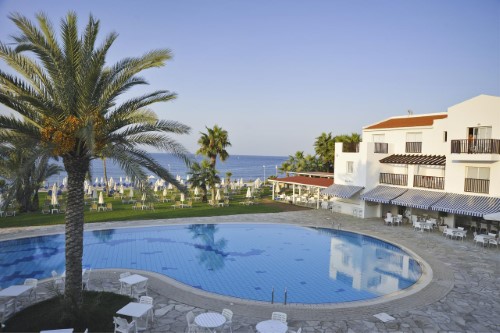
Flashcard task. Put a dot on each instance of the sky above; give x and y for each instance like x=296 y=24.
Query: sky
x=276 y=74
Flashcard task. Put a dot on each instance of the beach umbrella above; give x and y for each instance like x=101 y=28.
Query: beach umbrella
x=196 y=191
x=65 y=181
x=53 y=199
x=121 y=189
x=170 y=186
x=127 y=180
x=89 y=190
x=222 y=182
x=249 y=193
x=187 y=177
x=217 y=195
x=155 y=189
x=492 y=216
x=131 y=192
x=165 y=192
x=115 y=188
x=94 y=194
x=277 y=188
x=143 y=197
x=241 y=182
x=182 y=196
x=257 y=183
x=178 y=178
x=111 y=182
x=121 y=180
x=96 y=180
x=85 y=187
x=181 y=181
x=101 y=199
x=102 y=180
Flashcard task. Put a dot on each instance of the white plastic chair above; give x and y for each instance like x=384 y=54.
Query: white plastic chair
x=86 y=279
x=493 y=241
x=192 y=327
x=123 y=286
x=123 y=326
x=388 y=218
x=148 y=300
x=58 y=280
x=34 y=283
x=292 y=331
x=228 y=314
x=7 y=309
x=479 y=239
x=140 y=288
x=281 y=316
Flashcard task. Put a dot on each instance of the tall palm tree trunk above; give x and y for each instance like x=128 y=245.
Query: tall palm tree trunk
x=76 y=168
x=105 y=175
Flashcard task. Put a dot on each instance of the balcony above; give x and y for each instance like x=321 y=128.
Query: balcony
x=436 y=183
x=381 y=148
x=393 y=179
x=413 y=147
x=476 y=146
x=350 y=147
x=477 y=185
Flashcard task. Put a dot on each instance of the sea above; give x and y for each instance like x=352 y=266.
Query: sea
x=247 y=167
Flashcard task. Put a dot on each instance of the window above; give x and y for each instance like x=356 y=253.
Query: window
x=478 y=173
x=483 y=132
x=477 y=180
x=350 y=167
x=413 y=142
x=445 y=136
x=378 y=137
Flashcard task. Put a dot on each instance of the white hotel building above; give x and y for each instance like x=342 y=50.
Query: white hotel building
x=446 y=165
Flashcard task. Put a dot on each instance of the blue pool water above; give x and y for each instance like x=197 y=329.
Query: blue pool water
x=247 y=261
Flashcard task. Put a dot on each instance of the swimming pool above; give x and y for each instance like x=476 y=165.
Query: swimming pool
x=248 y=261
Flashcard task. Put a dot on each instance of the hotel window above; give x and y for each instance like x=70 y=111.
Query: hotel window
x=483 y=132
x=414 y=142
x=350 y=167
x=477 y=180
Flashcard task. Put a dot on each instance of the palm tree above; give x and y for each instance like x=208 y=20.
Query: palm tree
x=324 y=147
x=70 y=100
x=213 y=144
x=25 y=167
x=202 y=175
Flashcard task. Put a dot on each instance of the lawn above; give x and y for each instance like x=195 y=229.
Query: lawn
x=96 y=315
x=124 y=212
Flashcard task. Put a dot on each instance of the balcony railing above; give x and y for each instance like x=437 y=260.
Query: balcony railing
x=414 y=147
x=350 y=147
x=476 y=146
x=381 y=148
x=477 y=185
x=393 y=179
x=436 y=183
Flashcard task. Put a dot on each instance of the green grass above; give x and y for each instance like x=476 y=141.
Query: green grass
x=124 y=212
x=96 y=314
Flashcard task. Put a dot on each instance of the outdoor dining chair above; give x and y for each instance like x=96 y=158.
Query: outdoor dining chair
x=140 y=288
x=148 y=300
x=58 y=281
x=192 y=327
x=34 y=283
x=86 y=279
x=123 y=326
x=280 y=316
x=7 y=309
x=125 y=288
x=228 y=314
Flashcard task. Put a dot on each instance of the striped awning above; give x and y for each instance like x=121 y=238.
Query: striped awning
x=418 y=198
x=472 y=205
x=341 y=191
x=383 y=194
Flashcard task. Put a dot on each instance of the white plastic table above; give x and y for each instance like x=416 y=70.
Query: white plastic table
x=64 y=330
x=271 y=326
x=132 y=280
x=136 y=310
x=210 y=320
x=15 y=292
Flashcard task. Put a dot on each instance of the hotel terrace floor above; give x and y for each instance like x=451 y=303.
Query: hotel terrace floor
x=463 y=294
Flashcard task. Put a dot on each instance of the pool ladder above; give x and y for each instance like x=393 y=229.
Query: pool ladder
x=272 y=296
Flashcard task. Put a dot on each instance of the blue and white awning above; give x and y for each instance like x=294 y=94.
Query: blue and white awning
x=383 y=194
x=472 y=205
x=418 y=198
x=341 y=191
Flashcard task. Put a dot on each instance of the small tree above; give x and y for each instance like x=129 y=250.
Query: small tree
x=202 y=175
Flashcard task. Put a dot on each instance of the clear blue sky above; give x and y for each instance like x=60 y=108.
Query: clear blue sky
x=276 y=74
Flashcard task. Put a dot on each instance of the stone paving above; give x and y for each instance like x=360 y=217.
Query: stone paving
x=462 y=295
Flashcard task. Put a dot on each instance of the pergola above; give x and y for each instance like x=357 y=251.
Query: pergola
x=312 y=180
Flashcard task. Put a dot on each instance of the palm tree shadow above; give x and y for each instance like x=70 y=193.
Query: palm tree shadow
x=212 y=254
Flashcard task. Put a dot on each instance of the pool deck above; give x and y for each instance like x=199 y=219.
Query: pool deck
x=462 y=293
